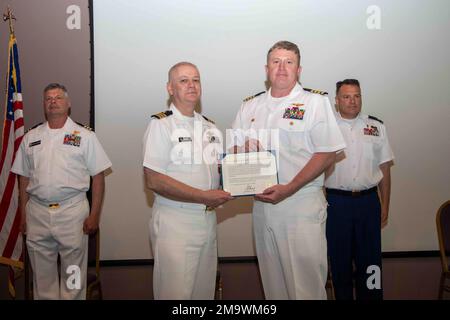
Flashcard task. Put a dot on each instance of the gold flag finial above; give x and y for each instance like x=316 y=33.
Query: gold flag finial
x=8 y=16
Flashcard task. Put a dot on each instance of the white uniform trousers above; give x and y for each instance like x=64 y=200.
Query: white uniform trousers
x=291 y=246
x=185 y=253
x=58 y=230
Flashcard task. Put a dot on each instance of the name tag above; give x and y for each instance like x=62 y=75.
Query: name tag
x=35 y=143
x=213 y=139
x=184 y=139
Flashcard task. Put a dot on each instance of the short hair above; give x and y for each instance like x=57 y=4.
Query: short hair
x=55 y=85
x=286 y=45
x=350 y=82
x=179 y=64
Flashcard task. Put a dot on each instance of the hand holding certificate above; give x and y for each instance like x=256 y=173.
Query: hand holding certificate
x=246 y=174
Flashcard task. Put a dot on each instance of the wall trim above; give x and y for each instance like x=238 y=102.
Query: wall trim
x=253 y=259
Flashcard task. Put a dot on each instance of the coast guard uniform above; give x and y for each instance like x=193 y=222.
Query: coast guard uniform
x=354 y=212
x=58 y=163
x=290 y=236
x=183 y=235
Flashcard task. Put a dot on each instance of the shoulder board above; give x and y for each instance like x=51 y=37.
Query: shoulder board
x=163 y=114
x=84 y=126
x=315 y=91
x=375 y=118
x=254 y=96
x=209 y=120
x=33 y=127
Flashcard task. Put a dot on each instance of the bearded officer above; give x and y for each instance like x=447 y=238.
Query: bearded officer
x=55 y=162
x=180 y=166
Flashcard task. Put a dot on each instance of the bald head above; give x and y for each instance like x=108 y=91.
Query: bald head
x=184 y=87
x=176 y=66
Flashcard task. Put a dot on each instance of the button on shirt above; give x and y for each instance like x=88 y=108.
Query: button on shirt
x=59 y=162
x=358 y=168
x=303 y=123
x=185 y=149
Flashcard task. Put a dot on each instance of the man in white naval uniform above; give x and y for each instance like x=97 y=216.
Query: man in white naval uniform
x=181 y=168
x=355 y=214
x=289 y=218
x=55 y=162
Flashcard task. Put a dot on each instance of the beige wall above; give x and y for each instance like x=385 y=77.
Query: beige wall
x=48 y=52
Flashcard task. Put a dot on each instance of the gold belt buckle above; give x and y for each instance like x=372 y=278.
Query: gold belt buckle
x=356 y=193
x=53 y=205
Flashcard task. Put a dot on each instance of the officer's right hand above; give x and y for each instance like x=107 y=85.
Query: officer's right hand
x=215 y=198
x=253 y=145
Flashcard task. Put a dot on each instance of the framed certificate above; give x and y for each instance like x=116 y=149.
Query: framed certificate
x=247 y=174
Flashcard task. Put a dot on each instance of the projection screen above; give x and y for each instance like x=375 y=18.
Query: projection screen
x=399 y=50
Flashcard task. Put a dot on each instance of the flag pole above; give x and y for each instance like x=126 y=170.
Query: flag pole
x=8 y=16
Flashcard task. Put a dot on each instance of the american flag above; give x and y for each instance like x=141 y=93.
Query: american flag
x=13 y=131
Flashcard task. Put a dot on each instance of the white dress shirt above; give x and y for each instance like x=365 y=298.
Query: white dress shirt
x=358 y=167
x=59 y=162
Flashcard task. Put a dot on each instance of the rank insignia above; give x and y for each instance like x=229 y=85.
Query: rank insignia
x=162 y=115
x=316 y=91
x=254 y=96
x=209 y=120
x=371 y=131
x=72 y=139
x=293 y=112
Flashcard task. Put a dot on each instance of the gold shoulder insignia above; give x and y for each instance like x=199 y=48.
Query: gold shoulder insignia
x=163 y=114
x=375 y=118
x=209 y=120
x=315 y=91
x=35 y=126
x=254 y=96
x=85 y=126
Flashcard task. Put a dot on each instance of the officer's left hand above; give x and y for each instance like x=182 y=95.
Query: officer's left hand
x=384 y=218
x=274 y=194
x=90 y=225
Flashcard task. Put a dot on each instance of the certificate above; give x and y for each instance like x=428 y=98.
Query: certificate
x=246 y=174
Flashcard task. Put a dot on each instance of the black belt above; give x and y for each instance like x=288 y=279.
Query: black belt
x=351 y=193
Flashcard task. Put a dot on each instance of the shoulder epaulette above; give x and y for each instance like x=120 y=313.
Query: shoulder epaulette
x=375 y=118
x=209 y=120
x=84 y=126
x=254 y=96
x=33 y=127
x=163 y=114
x=315 y=91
